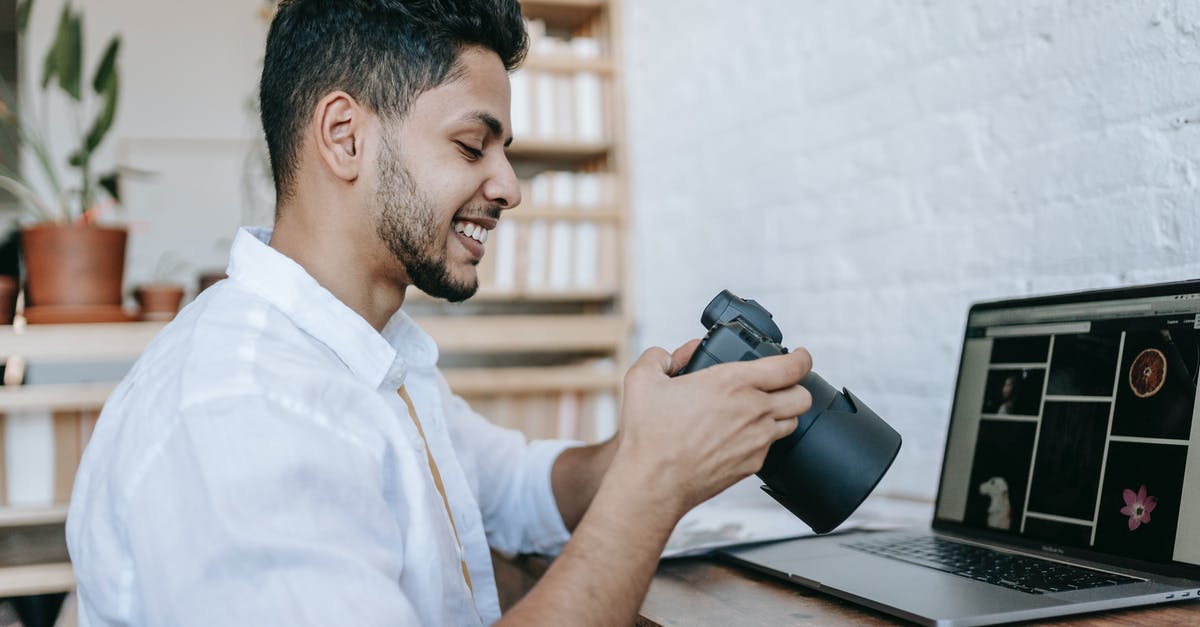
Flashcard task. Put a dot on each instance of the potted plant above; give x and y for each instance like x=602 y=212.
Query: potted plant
x=160 y=297
x=74 y=266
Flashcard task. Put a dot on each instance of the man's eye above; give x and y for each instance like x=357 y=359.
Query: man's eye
x=472 y=153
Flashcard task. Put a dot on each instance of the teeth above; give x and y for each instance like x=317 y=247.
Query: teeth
x=471 y=230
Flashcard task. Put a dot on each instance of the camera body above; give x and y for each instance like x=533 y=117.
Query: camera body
x=840 y=449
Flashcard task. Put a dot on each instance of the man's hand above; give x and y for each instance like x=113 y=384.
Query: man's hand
x=682 y=440
x=692 y=436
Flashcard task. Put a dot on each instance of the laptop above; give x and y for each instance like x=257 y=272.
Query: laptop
x=1070 y=481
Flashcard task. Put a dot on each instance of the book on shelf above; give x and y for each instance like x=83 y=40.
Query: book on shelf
x=535 y=249
x=588 y=93
x=560 y=103
x=504 y=254
x=570 y=406
x=562 y=194
x=522 y=104
x=551 y=253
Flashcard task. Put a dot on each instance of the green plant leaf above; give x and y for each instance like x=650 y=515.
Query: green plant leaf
x=64 y=60
x=51 y=67
x=111 y=182
x=104 y=120
x=106 y=72
x=23 y=10
x=71 y=75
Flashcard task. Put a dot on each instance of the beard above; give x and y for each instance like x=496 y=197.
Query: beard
x=406 y=221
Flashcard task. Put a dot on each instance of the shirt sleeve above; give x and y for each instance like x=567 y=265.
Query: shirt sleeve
x=511 y=480
x=238 y=527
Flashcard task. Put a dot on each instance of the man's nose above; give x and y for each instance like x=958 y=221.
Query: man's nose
x=502 y=187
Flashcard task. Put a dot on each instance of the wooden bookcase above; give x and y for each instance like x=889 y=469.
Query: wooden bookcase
x=69 y=410
x=544 y=343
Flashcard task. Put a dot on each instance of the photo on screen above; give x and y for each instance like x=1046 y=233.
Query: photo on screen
x=1139 y=504
x=1020 y=350
x=1156 y=385
x=1014 y=392
x=1058 y=532
x=999 y=474
x=1083 y=364
x=1066 y=466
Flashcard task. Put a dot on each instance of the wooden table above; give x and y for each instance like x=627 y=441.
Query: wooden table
x=702 y=591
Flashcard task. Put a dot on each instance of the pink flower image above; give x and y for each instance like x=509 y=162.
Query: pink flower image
x=1138 y=507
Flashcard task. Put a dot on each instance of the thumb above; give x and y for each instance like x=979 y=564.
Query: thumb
x=683 y=355
x=654 y=361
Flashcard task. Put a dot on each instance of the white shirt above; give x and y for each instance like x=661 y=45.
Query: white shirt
x=257 y=467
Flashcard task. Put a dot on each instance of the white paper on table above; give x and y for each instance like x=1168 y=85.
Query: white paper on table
x=742 y=514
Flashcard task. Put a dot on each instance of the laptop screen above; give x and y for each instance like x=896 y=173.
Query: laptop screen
x=1074 y=424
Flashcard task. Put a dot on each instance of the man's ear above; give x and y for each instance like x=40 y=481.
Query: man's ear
x=339 y=124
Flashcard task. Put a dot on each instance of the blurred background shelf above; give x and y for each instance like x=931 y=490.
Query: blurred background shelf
x=543 y=345
x=532 y=380
x=564 y=14
x=568 y=151
x=57 y=397
x=570 y=214
x=489 y=294
x=36 y=579
x=529 y=333
x=77 y=341
x=24 y=516
x=567 y=64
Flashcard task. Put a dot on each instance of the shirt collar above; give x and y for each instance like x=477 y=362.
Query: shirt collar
x=376 y=358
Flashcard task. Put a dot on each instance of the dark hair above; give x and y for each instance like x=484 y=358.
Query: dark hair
x=384 y=53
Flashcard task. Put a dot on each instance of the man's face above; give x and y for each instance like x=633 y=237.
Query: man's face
x=443 y=178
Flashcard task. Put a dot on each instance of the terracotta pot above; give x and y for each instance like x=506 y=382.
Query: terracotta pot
x=71 y=265
x=8 y=299
x=209 y=278
x=159 y=301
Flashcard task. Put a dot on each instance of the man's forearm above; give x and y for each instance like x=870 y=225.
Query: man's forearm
x=603 y=573
x=576 y=477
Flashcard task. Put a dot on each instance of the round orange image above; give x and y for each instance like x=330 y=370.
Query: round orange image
x=1148 y=373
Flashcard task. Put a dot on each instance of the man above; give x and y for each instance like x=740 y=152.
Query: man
x=286 y=452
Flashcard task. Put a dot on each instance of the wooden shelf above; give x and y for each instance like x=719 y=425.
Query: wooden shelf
x=567 y=64
x=55 y=397
x=494 y=295
x=573 y=214
x=527 y=333
x=36 y=579
x=557 y=149
x=77 y=341
x=531 y=380
x=566 y=14
x=21 y=516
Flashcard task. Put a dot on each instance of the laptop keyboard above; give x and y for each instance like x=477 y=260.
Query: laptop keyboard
x=1019 y=572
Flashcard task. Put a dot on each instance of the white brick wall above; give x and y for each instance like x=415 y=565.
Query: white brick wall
x=867 y=168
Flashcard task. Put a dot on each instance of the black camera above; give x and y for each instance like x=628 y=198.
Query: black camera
x=840 y=449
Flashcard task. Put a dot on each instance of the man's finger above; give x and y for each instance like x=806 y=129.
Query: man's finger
x=778 y=371
x=654 y=360
x=784 y=428
x=683 y=355
x=789 y=402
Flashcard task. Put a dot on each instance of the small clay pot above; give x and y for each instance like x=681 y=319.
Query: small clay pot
x=159 y=301
x=208 y=279
x=71 y=265
x=8 y=299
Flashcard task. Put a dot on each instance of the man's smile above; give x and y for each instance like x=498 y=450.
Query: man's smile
x=473 y=235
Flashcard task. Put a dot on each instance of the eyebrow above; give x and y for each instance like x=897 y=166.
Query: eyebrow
x=494 y=125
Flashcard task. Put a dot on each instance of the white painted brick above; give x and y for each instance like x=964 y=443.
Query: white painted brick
x=866 y=169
